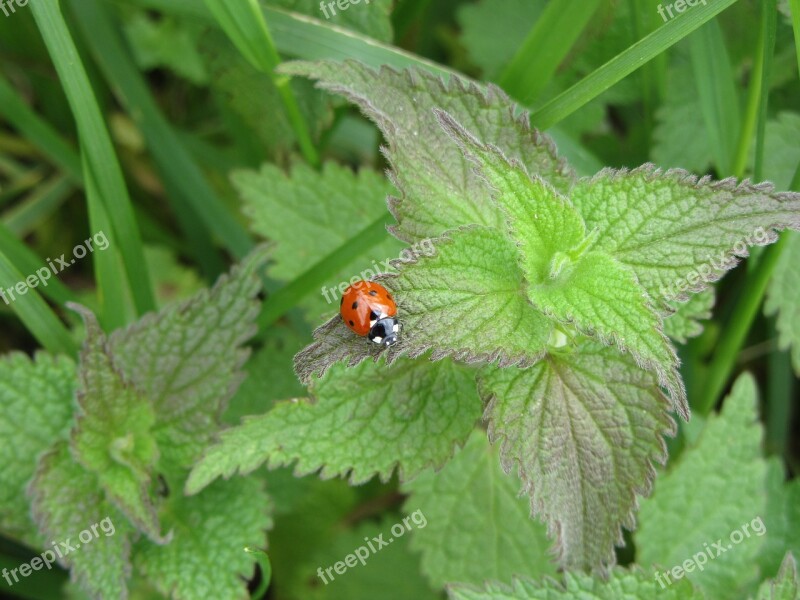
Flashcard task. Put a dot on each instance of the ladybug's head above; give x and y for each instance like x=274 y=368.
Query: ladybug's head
x=385 y=331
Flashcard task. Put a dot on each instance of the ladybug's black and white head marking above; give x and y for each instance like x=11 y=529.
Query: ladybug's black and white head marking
x=385 y=331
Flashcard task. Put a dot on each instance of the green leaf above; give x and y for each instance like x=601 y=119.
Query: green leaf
x=477 y=525
x=781 y=146
x=187 y=360
x=602 y=298
x=112 y=437
x=583 y=431
x=439 y=192
x=28 y=428
x=364 y=421
x=679 y=524
x=542 y=222
x=465 y=301
x=206 y=557
x=786 y=586
x=622 y=584
x=392 y=570
x=684 y=323
x=781 y=519
x=782 y=298
x=592 y=291
x=309 y=214
x=166 y=42
x=678 y=233
x=67 y=500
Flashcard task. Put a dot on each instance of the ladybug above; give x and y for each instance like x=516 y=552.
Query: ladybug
x=369 y=309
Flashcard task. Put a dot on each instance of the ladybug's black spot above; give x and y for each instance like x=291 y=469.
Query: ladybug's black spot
x=373 y=293
x=351 y=323
x=355 y=305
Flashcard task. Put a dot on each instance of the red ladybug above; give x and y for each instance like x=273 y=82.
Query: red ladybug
x=369 y=309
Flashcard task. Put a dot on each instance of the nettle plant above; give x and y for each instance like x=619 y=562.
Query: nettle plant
x=546 y=294
x=540 y=311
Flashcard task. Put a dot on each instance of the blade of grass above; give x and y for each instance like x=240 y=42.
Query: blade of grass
x=794 y=8
x=286 y=298
x=755 y=95
x=244 y=23
x=38 y=131
x=38 y=206
x=34 y=312
x=21 y=184
x=626 y=62
x=197 y=206
x=714 y=79
x=778 y=399
x=735 y=333
x=405 y=14
x=769 y=30
x=546 y=45
x=24 y=260
x=100 y=161
x=10 y=168
x=111 y=295
x=744 y=313
x=641 y=17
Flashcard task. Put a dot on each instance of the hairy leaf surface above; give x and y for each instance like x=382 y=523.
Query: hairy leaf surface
x=622 y=584
x=467 y=301
x=439 y=190
x=206 y=557
x=112 y=436
x=36 y=406
x=67 y=500
x=583 y=430
x=187 y=360
x=363 y=421
x=677 y=232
